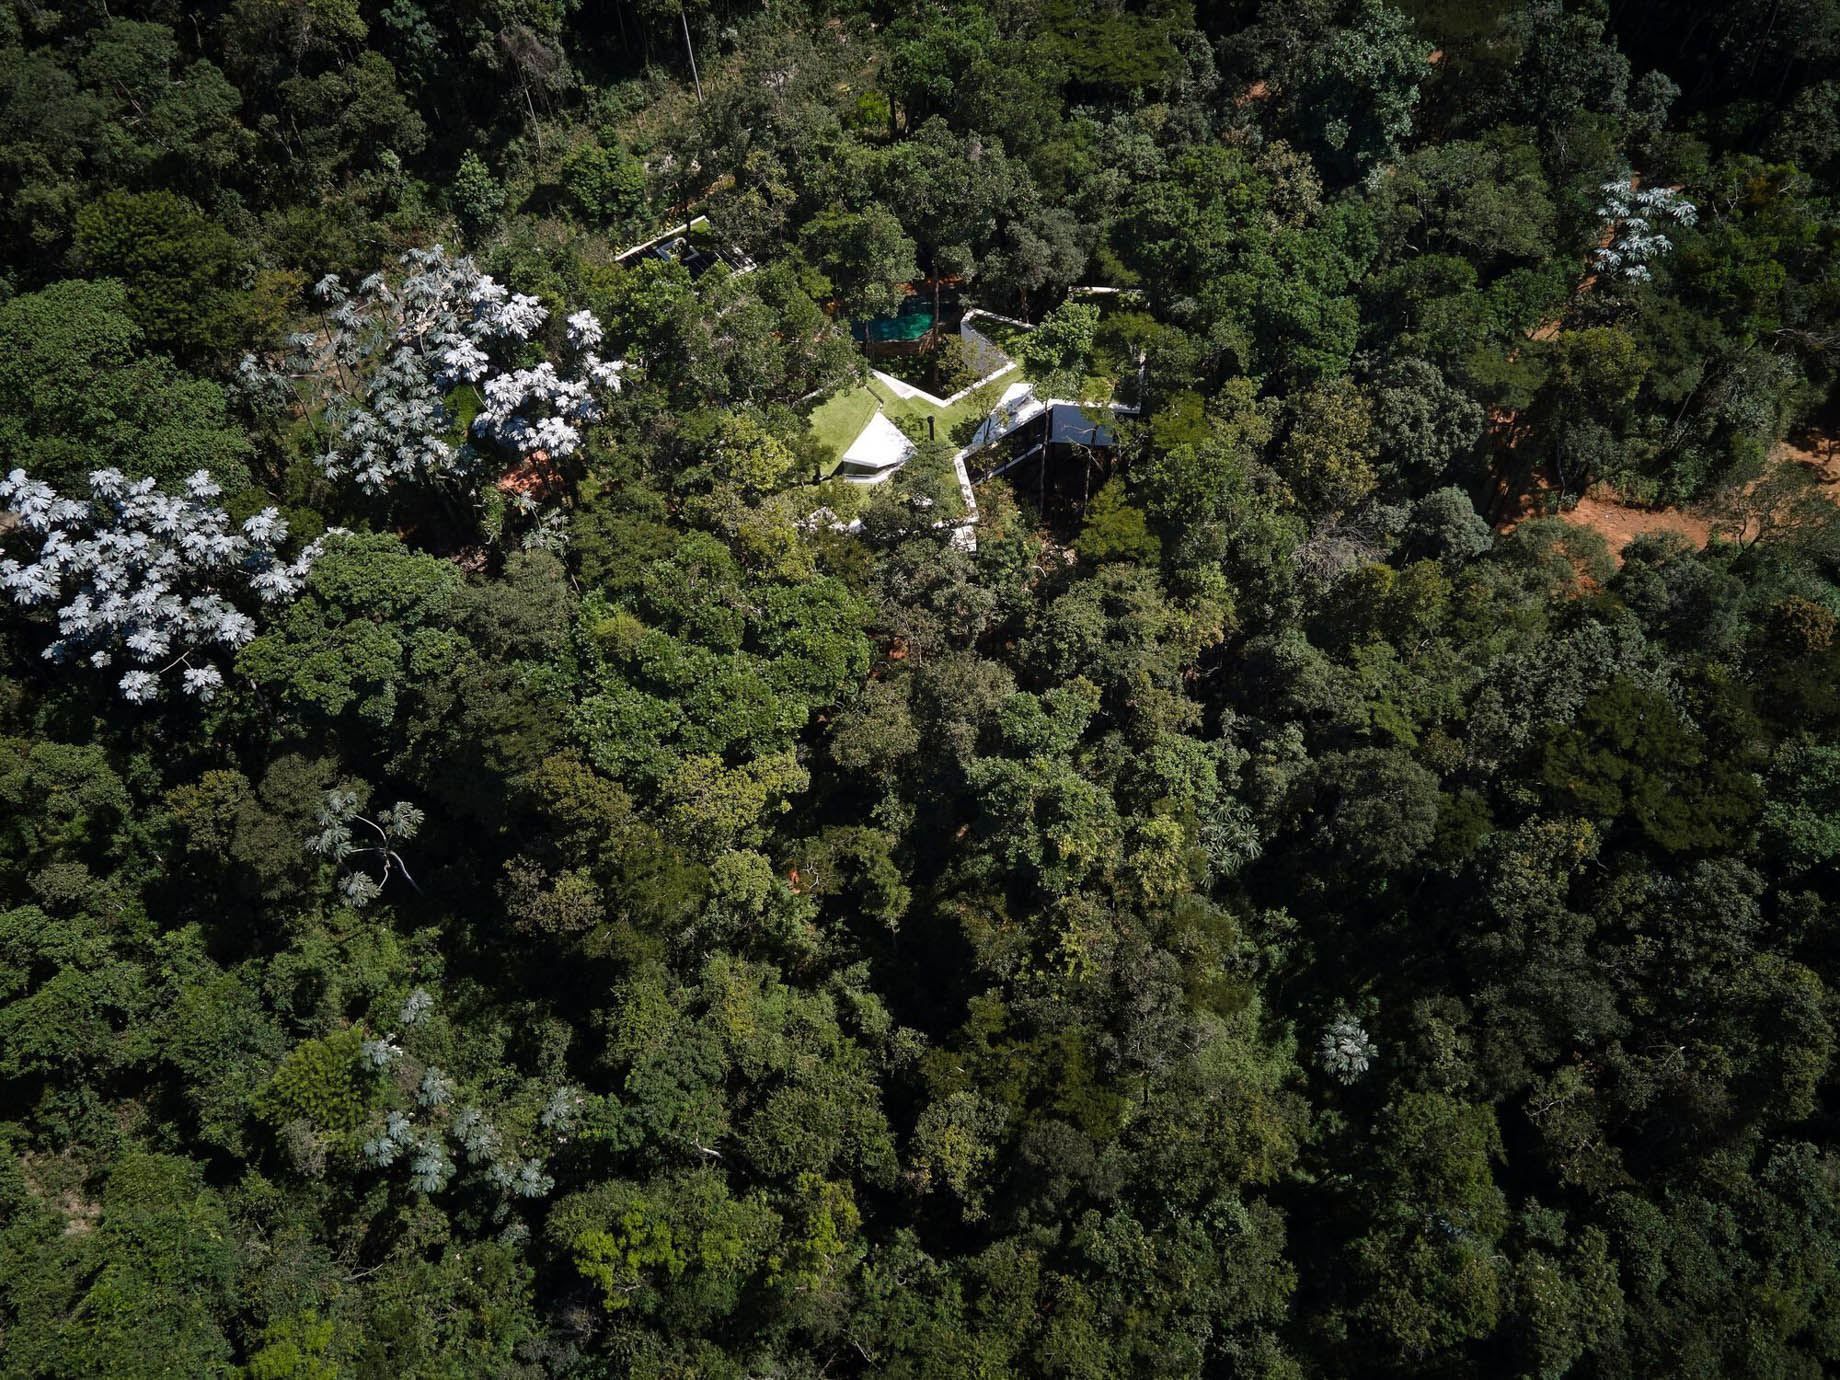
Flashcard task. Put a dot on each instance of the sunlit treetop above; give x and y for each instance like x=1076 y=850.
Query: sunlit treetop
x=146 y=577
x=389 y=358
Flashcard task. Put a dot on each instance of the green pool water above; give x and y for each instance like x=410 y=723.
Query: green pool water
x=913 y=320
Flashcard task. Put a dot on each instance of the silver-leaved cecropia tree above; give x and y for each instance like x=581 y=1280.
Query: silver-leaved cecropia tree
x=1633 y=238
x=386 y=363
x=154 y=581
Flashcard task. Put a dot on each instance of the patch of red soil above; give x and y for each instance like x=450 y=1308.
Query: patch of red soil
x=1621 y=523
x=1617 y=522
x=1816 y=453
x=538 y=476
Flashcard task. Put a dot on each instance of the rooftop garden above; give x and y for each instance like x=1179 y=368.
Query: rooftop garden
x=1085 y=349
x=838 y=420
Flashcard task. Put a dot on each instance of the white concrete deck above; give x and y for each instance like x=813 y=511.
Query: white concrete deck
x=1017 y=407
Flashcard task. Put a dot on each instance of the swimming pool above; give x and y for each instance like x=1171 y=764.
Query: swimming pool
x=913 y=320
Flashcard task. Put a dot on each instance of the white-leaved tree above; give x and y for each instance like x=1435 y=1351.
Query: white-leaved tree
x=388 y=358
x=147 y=580
x=1346 y=1051
x=1632 y=237
x=444 y=1134
x=337 y=813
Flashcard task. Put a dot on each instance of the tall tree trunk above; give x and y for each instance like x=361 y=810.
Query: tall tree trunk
x=531 y=108
x=684 y=15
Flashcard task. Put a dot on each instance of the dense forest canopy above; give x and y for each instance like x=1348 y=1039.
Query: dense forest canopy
x=514 y=863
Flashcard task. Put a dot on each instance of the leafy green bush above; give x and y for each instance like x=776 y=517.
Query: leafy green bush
x=323 y=1083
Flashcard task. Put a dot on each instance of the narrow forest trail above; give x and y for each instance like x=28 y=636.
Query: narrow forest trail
x=1516 y=491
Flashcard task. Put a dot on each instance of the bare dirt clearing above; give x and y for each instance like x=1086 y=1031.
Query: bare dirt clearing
x=1620 y=523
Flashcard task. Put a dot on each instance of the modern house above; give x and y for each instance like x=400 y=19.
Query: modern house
x=1070 y=435
x=1054 y=431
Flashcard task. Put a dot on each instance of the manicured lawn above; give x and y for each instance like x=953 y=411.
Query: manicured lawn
x=837 y=421
x=945 y=419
